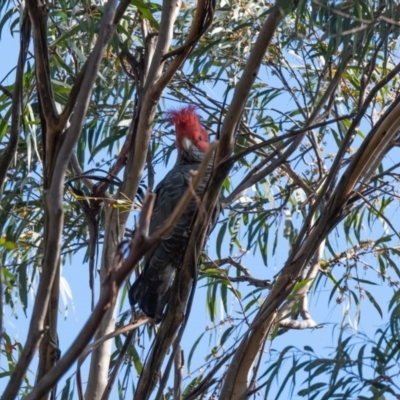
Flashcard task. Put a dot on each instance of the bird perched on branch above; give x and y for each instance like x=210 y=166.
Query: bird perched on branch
x=150 y=290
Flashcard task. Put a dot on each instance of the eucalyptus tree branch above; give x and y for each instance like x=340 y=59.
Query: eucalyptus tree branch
x=378 y=156
x=72 y=98
x=53 y=196
x=186 y=276
x=6 y=91
x=260 y=283
x=139 y=246
x=256 y=368
x=116 y=277
x=176 y=307
x=140 y=131
x=367 y=74
x=202 y=20
x=209 y=379
x=287 y=169
x=79 y=172
x=245 y=83
x=279 y=73
x=179 y=363
x=130 y=328
x=335 y=168
x=154 y=83
x=121 y=8
x=259 y=172
x=12 y=145
x=317 y=152
x=151 y=93
x=38 y=16
x=268 y=316
x=235 y=382
x=117 y=365
x=301 y=296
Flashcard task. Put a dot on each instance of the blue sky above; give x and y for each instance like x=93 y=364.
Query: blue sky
x=76 y=275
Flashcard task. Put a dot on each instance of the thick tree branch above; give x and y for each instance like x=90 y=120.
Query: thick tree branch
x=245 y=83
x=202 y=20
x=179 y=363
x=176 y=310
x=235 y=383
x=54 y=198
x=38 y=16
x=116 y=277
x=154 y=84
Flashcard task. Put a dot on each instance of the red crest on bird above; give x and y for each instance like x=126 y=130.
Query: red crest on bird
x=187 y=125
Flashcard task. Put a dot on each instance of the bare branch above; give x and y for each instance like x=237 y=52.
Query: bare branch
x=12 y=145
x=202 y=20
x=117 y=365
x=261 y=283
x=179 y=363
x=72 y=98
x=38 y=16
x=78 y=171
x=130 y=328
x=245 y=83
x=6 y=91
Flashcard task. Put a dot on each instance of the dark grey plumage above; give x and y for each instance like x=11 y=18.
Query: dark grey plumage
x=150 y=290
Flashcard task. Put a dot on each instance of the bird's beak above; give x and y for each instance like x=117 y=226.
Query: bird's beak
x=186 y=144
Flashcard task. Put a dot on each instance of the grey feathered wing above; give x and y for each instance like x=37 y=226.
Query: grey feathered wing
x=150 y=290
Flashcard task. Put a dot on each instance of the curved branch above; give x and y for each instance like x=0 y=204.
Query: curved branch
x=202 y=20
x=12 y=145
x=38 y=16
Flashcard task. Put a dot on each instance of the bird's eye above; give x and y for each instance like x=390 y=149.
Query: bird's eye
x=200 y=138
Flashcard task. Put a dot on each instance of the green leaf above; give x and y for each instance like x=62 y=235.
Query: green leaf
x=146 y=13
x=374 y=302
